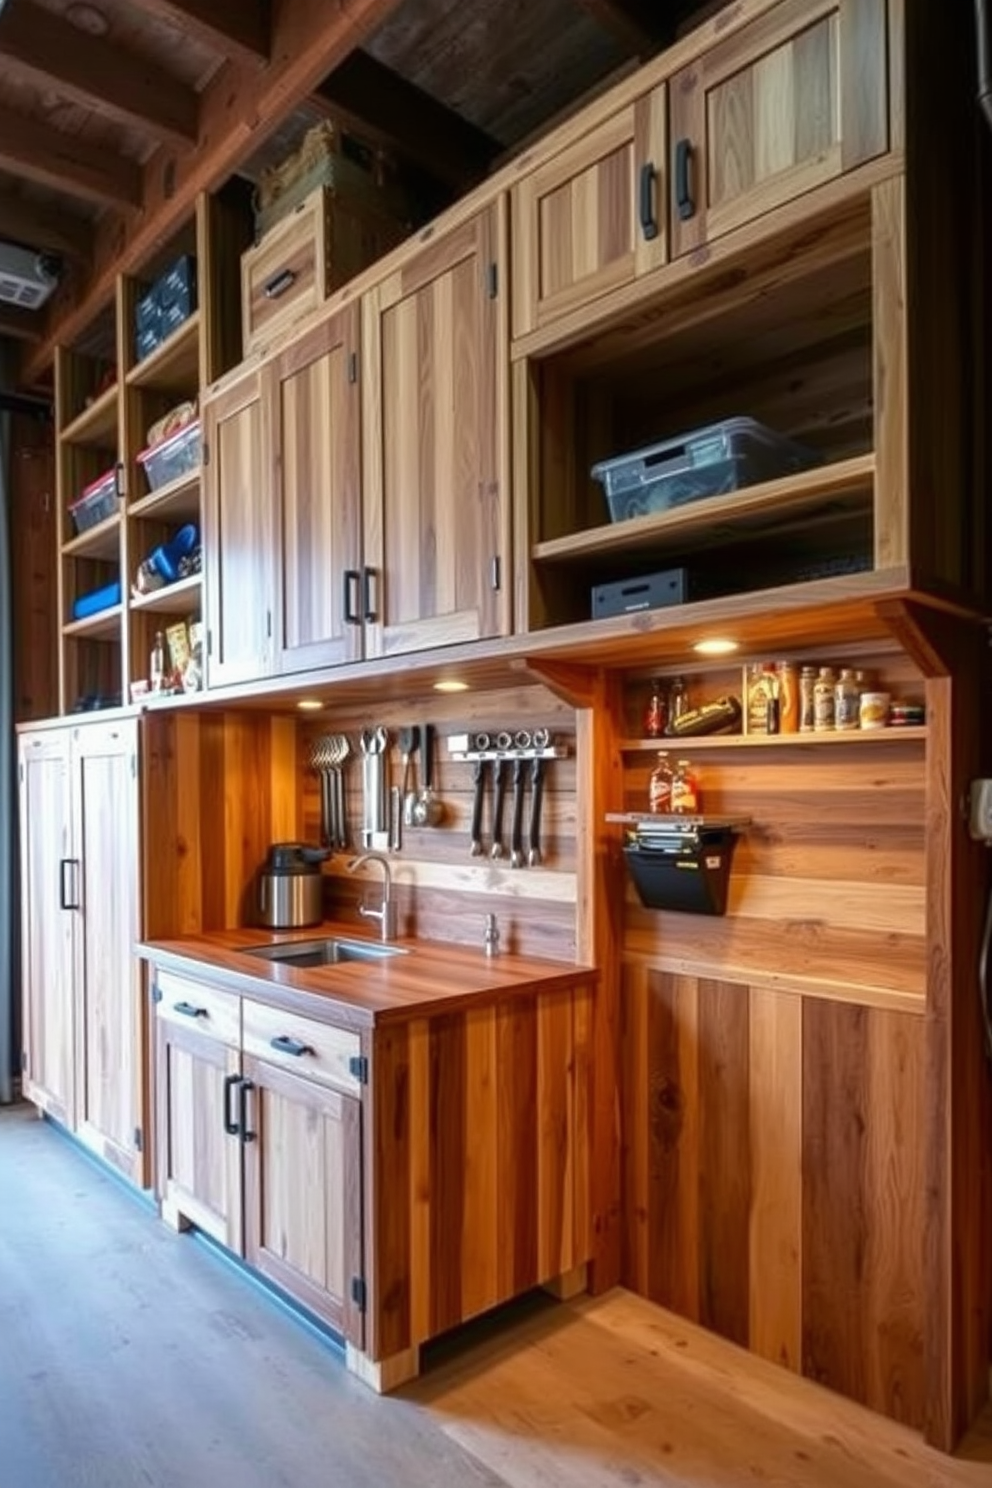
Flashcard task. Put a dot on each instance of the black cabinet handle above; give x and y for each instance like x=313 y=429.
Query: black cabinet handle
x=278 y=284
x=68 y=888
x=684 y=204
x=244 y=1133
x=352 y=578
x=649 y=222
x=230 y=1123
x=189 y=1010
x=286 y=1045
x=368 y=595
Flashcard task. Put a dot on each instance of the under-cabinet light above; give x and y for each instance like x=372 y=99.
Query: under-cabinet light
x=715 y=646
x=310 y=705
x=450 y=684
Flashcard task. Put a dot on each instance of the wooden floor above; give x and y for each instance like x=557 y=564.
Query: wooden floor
x=133 y=1356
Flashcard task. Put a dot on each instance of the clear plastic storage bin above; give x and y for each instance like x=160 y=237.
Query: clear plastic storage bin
x=98 y=502
x=175 y=456
x=707 y=462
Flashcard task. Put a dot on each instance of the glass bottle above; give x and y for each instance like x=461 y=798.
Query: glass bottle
x=788 y=692
x=807 y=706
x=824 y=701
x=678 y=701
x=655 y=712
x=847 y=702
x=156 y=665
x=660 y=786
x=685 y=790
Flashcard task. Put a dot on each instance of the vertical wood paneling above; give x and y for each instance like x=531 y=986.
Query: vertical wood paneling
x=449 y=1141
x=674 y=1122
x=388 y=1191
x=555 y=1154
x=775 y=1125
x=724 y=1159
x=517 y=1152
x=480 y=1255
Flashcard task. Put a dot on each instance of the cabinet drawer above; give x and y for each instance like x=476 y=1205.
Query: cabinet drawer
x=188 y=1004
x=287 y=274
x=315 y=1050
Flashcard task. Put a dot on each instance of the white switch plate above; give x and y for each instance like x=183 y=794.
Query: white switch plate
x=980 y=814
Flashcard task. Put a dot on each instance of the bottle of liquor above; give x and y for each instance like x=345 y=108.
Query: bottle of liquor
x=660 y=786
x=655 y=718
x=685 y=790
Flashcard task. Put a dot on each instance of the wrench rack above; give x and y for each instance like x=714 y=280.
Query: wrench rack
x=526 y=754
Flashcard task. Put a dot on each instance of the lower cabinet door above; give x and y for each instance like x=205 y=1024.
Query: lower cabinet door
x=303 y=1193
x=198 y=1154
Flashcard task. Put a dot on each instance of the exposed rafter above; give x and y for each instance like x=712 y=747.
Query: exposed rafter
x=238 y=27
x=37 y=152
x=238 y=110
x=95 y=72
x=19 y=325
x=409 y=120
x=636 y=24
x=22 y=222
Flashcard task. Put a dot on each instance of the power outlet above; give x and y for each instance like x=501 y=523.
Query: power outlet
x=980 y=813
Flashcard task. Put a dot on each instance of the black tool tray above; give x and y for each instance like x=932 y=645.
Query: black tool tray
x=681 y=862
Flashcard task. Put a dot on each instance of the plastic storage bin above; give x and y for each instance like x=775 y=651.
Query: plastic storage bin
x=98 y=502
x=96 y=600
x=175 y=456
x=707 y=462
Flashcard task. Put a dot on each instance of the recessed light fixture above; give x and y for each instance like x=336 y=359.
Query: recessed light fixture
x=715 y=646
x=450 y=684
x=309 y=705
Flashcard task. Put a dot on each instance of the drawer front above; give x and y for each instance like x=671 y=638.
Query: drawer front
x=285 y=276
x=205 y=1010
x=317 y=1051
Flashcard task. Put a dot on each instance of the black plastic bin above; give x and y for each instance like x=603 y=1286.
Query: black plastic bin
x=683 y=872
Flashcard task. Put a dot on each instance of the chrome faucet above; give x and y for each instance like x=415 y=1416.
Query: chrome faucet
x=386 y=913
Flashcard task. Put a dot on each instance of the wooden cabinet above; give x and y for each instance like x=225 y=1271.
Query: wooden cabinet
x=785 y=104
x=80 y=854
x=238 y=533
x=434 y=387
x=593 y=218
x=197 y=1089
x=312 y=400
x=258 y=1132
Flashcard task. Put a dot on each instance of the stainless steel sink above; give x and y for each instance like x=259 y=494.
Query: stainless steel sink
x=325 y=952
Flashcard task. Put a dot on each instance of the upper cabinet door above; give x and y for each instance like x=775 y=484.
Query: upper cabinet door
x=50 y=898
x=593 y=218
x=435 y=355
x=789 y=102
x=313 y=401
x=238 y=536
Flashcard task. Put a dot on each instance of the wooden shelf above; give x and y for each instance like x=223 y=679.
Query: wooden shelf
x=178 y=598
x=771 y=741
x=175 y=365
x=97 y=424
x=180 y=498
x=101 y=541
x=844 y=486
x=106 y=626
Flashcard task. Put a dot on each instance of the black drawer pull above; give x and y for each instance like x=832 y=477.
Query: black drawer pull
x=188 y=1010
x=649 y=222
x=352 y=579
x=68 y=887
x=279 y=283
x=684 y=204
x=368 y=594
x=283 y=1044
x=230 y=1123
x=244 y=1133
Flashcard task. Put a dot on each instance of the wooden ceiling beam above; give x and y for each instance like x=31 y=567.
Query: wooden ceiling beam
x=89 y=70
x=18 y=324
x=238 y=28
x=239 y=109
x=635 y=24
x=23 y=222
x=405 y=118
x=37 y=152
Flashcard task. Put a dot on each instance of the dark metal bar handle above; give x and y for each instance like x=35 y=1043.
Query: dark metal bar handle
x=279 y=283
x=189 y=1010
x=368 y=594
x=68 y=896
x=684 y=204
x=649 y=222
x=352 y=579
x=284 y=1044
x=244 y=1133
x=230 y=1123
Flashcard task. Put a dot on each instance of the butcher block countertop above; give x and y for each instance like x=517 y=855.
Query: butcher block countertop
x=430 y=978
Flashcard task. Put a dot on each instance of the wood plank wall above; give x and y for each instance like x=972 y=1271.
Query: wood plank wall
x=773 y=1183
x=32 y=539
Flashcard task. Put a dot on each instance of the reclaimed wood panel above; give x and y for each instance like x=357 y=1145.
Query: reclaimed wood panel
x=479 y=1171
x=773 y=1176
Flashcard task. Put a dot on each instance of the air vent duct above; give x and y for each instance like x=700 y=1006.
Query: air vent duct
x=27 y=278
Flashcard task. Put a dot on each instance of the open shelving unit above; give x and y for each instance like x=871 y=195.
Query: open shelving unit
x=838 y=739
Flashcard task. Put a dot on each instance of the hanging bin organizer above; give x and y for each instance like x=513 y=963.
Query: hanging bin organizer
x=681 y=862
